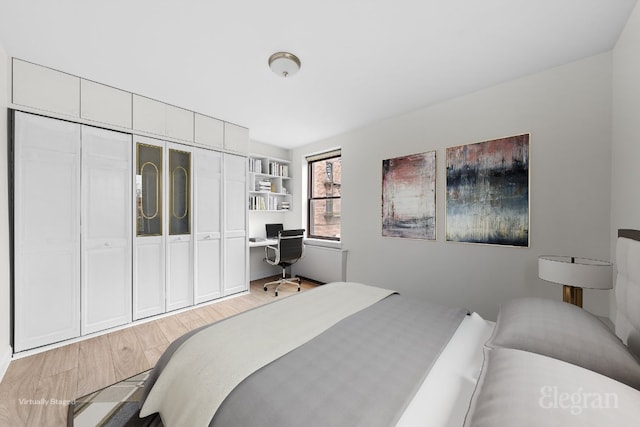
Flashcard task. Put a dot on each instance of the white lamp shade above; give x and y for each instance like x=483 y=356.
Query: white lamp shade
x=582 y=272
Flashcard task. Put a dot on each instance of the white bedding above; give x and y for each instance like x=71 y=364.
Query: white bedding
x=443 y=398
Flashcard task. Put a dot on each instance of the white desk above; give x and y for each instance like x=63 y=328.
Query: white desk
x=258 y=268
x=261 y=243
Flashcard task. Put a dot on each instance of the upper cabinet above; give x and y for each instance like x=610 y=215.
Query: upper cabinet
x=63 y=95
x=105 y=104
x=236 y=138
x=45 y=89
x=162 y=119
x=209 y=131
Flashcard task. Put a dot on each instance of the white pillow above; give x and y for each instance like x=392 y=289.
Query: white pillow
x=565 y=332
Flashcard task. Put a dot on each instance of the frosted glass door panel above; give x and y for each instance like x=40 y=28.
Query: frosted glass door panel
x=235 y=233
x=179 y=242
x=207 y=202
x=47 y=231
x=179 y=192
x=106 y=242
x=149 y=190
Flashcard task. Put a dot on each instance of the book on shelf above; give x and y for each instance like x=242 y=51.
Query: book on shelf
x=255 y=165
x=278 y=169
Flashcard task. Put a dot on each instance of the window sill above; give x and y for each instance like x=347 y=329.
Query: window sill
x=333 y=244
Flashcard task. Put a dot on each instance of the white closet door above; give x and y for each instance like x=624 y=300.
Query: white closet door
x=47 y=231
x=207 y=218
x=235 y=224
x=106 y=229
x=179 y=226
x=149 y=214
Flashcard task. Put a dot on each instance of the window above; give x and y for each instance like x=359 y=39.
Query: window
x=324 y=195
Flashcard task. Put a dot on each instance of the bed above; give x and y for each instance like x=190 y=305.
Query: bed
x=348 y=354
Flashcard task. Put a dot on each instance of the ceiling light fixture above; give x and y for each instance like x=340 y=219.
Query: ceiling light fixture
x=284 y=64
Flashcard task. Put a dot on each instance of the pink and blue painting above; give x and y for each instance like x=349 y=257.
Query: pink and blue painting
x=487 y=198
x=409 y=196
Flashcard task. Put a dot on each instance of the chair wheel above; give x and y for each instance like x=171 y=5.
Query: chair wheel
x=276 y=294
x=298 y=289
x=265 y=289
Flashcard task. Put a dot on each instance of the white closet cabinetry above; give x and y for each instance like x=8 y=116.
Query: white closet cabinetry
x=235 y=220
x=106 y=229
x=47 y=231
x=207 y=223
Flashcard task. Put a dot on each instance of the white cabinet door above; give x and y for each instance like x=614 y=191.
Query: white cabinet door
x=208 y=131
x=235 y=224
x=149 y=242
x=106 y=229
x=179 y=123
x=105 y=104
x=179 y=227
x=207 y=218
x=45 y=89
x=149 y=115
x=47 y=231
x=236 y=138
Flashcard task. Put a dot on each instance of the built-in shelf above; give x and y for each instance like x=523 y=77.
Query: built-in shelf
x=269 y=184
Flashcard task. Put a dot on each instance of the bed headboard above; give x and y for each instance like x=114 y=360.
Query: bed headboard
x=627 y=289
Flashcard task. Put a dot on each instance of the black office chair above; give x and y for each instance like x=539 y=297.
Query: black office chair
x=289 y=250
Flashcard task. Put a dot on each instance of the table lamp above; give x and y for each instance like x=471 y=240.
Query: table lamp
x=575 y=274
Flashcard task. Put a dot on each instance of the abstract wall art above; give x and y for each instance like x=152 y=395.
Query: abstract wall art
x=487 y=192
x=409 y=196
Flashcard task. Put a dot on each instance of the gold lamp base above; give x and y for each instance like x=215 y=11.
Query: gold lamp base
x=572 y=295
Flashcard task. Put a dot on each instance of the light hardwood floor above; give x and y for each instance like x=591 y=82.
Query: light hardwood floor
x=35 y=390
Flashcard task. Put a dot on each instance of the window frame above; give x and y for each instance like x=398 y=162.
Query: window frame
x=311 y=160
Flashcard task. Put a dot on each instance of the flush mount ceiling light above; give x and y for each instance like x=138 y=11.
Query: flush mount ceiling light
x=284 y=64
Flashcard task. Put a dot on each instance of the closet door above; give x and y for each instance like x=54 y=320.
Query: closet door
x=179 y=240
x=235 y=224
x=149 y=242
x=47 y=231
x=106 y=229
x=207 y=219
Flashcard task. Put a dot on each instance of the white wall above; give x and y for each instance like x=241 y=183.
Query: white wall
x=625 y=178
x=567 y=110
x=5 y=322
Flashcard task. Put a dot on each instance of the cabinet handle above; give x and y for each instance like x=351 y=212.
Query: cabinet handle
x=107 y=244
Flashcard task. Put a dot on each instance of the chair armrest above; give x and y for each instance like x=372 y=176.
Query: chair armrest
x=276 y=255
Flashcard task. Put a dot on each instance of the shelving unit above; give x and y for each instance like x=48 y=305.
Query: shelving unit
x=269 y=184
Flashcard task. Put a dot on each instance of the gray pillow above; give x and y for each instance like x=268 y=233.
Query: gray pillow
x=565 y=332
x=519 y=388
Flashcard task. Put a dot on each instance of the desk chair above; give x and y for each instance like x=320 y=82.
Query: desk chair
x=289 y=250
x=272 y=230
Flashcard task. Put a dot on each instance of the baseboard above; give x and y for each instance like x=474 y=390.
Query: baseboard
x=5 y=359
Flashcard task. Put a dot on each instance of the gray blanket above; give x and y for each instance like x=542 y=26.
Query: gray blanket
x=363 y=371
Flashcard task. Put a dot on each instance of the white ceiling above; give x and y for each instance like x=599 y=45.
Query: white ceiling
x=362 y=60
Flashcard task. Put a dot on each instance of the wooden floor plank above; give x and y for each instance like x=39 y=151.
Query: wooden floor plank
x=20 y=382
x=95 y=352
x=150 y=335
x=61 y=359
x=171 y=327
x=127 y=353
x=52 y=398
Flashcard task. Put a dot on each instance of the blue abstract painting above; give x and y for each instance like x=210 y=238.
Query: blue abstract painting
x=487 y=198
